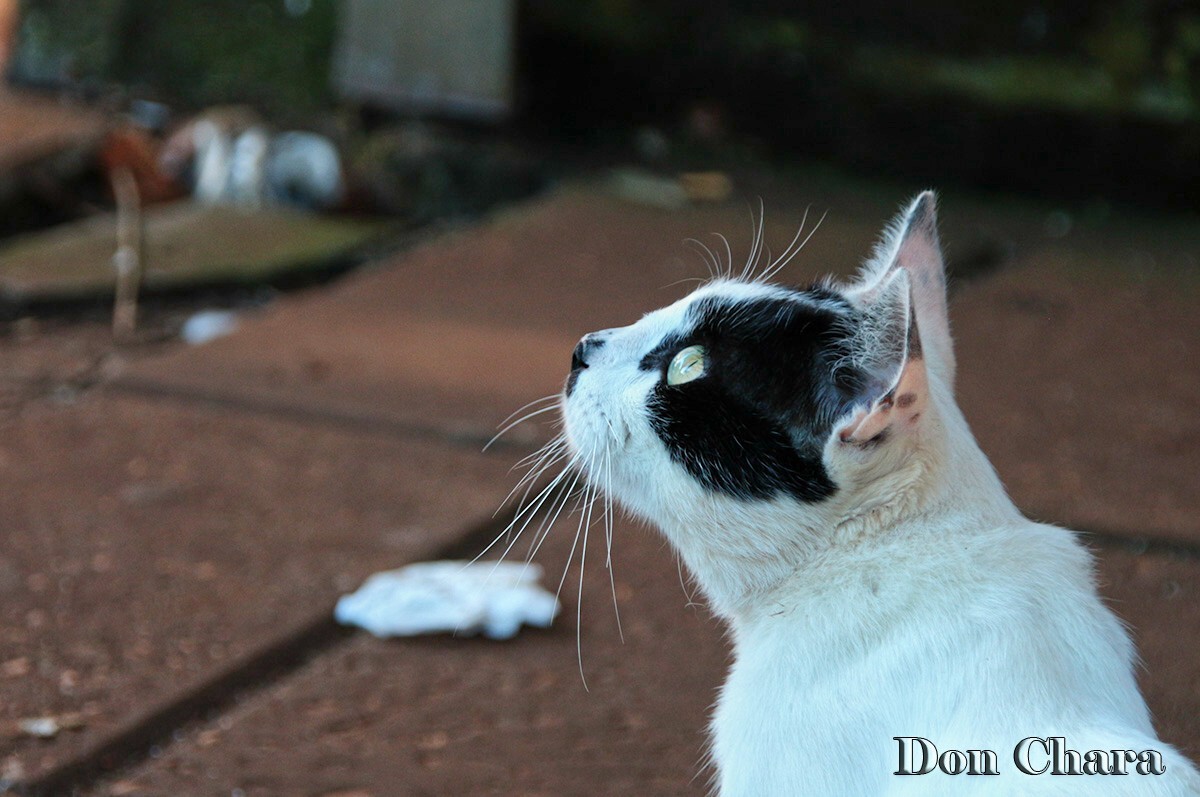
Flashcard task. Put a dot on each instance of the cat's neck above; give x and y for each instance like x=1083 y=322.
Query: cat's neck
x=741 y=573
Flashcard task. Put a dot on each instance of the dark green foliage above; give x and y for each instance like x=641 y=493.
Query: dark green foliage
x=194 y=53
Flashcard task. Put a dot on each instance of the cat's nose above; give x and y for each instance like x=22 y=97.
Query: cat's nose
x=583 y=349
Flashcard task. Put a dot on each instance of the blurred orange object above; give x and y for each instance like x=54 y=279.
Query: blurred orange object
x=8 y=30
x=132 y=149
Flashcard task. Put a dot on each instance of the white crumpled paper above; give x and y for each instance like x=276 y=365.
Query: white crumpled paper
x=493 y=598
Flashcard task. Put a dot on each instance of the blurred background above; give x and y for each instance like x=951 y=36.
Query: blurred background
x=272 y=272
x=1096 y=100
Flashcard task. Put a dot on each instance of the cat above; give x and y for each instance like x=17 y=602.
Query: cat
x=803 y=452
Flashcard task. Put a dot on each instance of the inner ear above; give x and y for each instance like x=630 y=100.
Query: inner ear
x=885 y=334
x=887 y=348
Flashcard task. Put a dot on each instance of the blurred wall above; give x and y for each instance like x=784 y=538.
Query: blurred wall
x=451 y=57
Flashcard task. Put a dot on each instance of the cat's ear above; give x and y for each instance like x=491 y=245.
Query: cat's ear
x=911 y=244
x=886 y=349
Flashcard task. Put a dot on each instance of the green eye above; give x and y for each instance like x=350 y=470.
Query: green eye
x=688 y=364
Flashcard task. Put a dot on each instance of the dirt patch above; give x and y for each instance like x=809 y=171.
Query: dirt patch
x=443 y=716
x=148 y=546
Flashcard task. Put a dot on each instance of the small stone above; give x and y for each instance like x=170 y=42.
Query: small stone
x=67 y=681
x=15 y=668
x=434 y=741
x=12 y=769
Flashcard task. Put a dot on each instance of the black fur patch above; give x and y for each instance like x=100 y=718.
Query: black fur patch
x=754 y=425
x=580 y=356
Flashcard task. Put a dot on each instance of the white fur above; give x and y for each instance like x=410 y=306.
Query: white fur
x=916 y=601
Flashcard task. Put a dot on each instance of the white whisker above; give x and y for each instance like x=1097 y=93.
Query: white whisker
x=548 y=455
x=529 y=509
x=728 y=254
x=552 y=517
x=608 y=534
x=787 y=254
x=519 y=421
x=803 y=243
x=756 y=242
x=522 y=408
x=710 y=259
x=548 y=460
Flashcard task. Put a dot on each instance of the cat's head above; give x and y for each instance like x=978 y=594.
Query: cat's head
x=755 y=423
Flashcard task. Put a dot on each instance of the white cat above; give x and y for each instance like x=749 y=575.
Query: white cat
x=803 y=452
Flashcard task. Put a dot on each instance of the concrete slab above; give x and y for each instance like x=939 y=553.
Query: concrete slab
x=443 y=716
x=148 y=547
x=186 y=244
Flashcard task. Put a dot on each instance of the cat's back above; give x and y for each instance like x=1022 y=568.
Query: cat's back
x=973 y=637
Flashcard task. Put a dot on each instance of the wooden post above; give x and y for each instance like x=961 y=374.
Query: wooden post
x=127 y=260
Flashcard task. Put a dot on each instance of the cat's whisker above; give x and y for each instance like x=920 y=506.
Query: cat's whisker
x=543 y=496
x=608 y=525
x=552 y=513
x=526 y=510
x=816 y=227
x=587 y=525
x=529 y=458
x=533 y=481
x=756 y=241
x=710 y=259
x=728 y=270
x=608 y=534
x=557 y=505
x=682 y=582
x=787 y=254
x=566 y=569
x=527 y=416
x=553 y=442
x=800 y=248
x=553 y=452
x=517 y=536
x=554 y=447
x=700 y=280
x=523 y=407
x=580 y=506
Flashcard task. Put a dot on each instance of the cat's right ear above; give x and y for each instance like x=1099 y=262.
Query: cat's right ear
x=910 y=243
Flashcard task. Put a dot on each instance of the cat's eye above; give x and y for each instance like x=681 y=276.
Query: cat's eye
x=687 y=365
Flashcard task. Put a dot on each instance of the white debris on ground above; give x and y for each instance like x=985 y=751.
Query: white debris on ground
x=492 y=598
x=49 y=727
x=208 y=325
